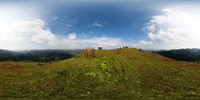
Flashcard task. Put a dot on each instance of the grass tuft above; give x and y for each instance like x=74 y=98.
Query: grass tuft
x=88 y=53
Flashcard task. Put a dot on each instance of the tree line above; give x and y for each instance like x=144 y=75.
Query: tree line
x=182 y=54
x=37 y=55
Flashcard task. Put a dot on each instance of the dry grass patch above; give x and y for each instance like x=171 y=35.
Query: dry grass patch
x=88 y=52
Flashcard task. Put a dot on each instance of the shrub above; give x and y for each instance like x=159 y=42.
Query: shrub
x=113 y=70
x=88 y=52
x=61 y=72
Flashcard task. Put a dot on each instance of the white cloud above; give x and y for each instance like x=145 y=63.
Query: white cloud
x=34 y=34
x=23 y=29
x=24 y=33
x=142 y=42
x=71 y=36
x=34 y=30
x=146 y=45
x=104 y=41
x=151 y=27
x=97 y=24
x=68 y=25
x=175 y=26
x=56 y=17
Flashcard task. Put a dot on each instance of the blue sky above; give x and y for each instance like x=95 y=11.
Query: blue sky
x=65 y=24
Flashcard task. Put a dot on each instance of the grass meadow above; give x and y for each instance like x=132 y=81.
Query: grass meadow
x=126 y=73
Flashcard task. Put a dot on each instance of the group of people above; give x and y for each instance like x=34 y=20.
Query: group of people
x=122 y=47
x=119 y=48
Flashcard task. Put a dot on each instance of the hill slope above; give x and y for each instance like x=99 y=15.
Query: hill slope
x=127 y=73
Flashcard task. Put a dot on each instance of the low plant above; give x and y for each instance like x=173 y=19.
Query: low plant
x=113 y=71
x=88 y=52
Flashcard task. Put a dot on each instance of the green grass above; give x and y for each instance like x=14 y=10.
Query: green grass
x=127 y=73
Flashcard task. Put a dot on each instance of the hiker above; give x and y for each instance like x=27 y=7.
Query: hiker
x=100 y=48
x=120 y=48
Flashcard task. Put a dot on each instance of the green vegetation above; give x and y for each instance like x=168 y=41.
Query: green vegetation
x=126 y=73
x=182 y=54
x=37 y=55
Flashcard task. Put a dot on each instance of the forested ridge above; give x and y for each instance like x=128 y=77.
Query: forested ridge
x=36 y=55
x=182 y=54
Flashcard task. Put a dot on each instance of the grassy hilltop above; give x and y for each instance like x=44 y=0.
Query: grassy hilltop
x=127 y=73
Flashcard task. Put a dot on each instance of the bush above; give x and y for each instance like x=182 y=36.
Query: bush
x=88 y=52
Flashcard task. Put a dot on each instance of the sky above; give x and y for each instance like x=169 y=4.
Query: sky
x=78 y=24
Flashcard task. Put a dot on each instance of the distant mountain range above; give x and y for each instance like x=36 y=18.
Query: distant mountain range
x=181 y=54
x=37 y=55
x=52 y=55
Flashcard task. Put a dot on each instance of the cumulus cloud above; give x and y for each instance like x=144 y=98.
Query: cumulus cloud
x=81 y=43
x=104 y=41
x=97 y=24
x=175 y=26
x=142 y=42
x=71 y=36
x=146 y=45
x=22 y=29
x=34 y=34
x=21 y=34
x=35 y=29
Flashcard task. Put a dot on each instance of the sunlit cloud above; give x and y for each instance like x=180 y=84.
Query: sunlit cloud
x=142 y=42
x=35 y=34
x=174 y=26
x=20 y=27
x=97 y=24
x=147 y=45
x=38 y=25
x=71 y=36
x=81 y=43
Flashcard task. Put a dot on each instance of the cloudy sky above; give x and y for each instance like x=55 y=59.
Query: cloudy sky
x=76 y=24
